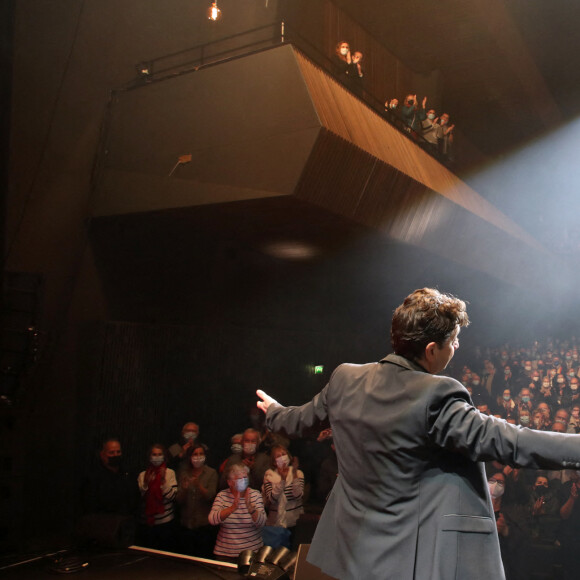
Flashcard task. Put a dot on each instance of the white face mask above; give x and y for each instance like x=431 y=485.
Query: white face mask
x=282 y=461
x=156 y=460
x=242 y=484
x=197 y=460
x=190 y=435
x=430 y=116
x=236 y=448
x=495 y=489
x=249 y=448
x=344 y=51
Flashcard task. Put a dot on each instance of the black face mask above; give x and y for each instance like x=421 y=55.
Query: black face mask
x=410 y=103
x=115 y=461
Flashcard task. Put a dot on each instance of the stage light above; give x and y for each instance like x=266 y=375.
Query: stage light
x=213 y=12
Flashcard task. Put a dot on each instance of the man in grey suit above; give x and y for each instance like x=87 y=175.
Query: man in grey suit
x=411 y=500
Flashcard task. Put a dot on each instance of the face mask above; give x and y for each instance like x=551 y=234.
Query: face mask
x=524 y=420
x=535 y=379
x=560 y=381
x=495 y=489
x=506 y=397
x=430 y=116
x=571 y=375
x=506 y=372
x=242 y=484
x=156 y=460
x=249 y=448
x=528 y=367
x=537 y=422
x=525 y=399
x=541 y=488
x=545 y=385
x=282 y=461
x=560 y=420
x=393 y=106
x=475 y=383
x=344 y=51
x=190 y=435
x=115 y=461
x=236 y=448
x=197 y=460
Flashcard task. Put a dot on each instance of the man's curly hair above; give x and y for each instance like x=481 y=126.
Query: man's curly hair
x=425 y=316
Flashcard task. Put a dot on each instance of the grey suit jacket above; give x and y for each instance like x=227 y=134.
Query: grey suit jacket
x=411 y=500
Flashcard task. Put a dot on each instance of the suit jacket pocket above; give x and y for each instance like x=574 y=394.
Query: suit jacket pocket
x=465 y=523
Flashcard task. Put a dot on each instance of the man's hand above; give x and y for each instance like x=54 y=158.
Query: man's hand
x=265 y=402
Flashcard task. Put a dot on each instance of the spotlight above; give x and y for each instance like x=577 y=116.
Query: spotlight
x=213 y=12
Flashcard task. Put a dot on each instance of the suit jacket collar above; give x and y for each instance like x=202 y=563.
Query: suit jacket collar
x=401 y=361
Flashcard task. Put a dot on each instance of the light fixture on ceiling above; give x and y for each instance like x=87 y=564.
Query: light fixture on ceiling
x=213 y=12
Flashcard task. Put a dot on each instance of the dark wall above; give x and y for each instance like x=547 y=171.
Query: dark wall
x=202 y=319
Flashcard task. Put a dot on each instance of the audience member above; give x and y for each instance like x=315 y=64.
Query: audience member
x=109 y=489
x=257 y=462
x=283 y=489
x=197 y=490
x=178 y=451
x=342 y=61
x=158 y=488
x=239 y=511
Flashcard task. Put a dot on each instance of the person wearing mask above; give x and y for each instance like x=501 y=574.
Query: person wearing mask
x=546 y=394
x=239 y=513
x=431 y=129
x=391 y=107
x=283 y=489
x=110 y=498
x=158 y=487
x=543 y=509
x=412 y=114
x=342 y=60
x=506 y=404
x=178 y=452
x=411 y=500
x=197 y=489
x=235 y=448
x=256 y=461
x=525 y=401
x=109 y=489
x=574 y=422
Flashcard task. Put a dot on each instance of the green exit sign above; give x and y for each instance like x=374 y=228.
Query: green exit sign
x=318 y=369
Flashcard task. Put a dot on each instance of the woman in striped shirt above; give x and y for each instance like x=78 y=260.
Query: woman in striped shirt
x=283 y=489
x=158 y=487
x=239 y=511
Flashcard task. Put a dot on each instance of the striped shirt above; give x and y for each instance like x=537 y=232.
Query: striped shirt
x=283 y=498
x=238 y=531
x=169 y=491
